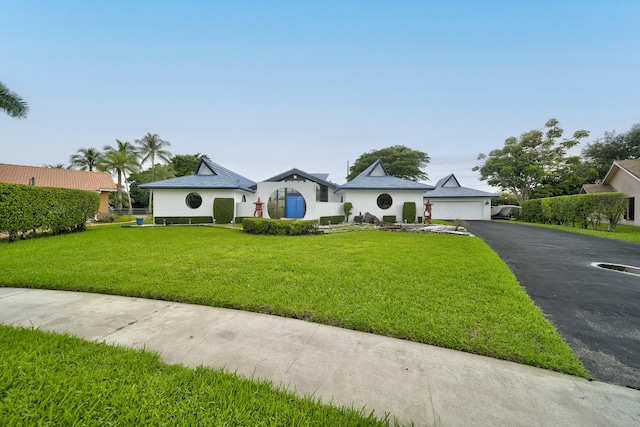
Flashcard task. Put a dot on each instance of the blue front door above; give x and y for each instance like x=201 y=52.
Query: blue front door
x=295 y=207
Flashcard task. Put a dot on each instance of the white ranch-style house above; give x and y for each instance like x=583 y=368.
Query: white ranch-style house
x=296 y=194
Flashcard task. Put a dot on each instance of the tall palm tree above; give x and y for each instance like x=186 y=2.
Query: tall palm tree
x=150 y=147
x=12 y=104
x=120 y=160
x=85 y=159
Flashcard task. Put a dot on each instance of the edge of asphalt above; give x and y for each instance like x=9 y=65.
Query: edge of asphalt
x=412 y=382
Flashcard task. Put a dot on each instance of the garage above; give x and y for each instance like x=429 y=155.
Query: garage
x=449 y=200
x=452 y=209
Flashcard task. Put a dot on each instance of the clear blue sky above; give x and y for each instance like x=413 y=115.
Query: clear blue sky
x=265 y=86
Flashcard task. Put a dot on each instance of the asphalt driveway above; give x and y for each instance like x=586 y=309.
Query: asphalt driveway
x=596 y=310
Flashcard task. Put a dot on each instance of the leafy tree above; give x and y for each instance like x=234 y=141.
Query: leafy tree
x=567 y=179
x=12 y=104
x=530 y=162
x=140 y=197
x=186 y=164
x=85 y=159
x=601 y=153
x=54 y=166
x=400 y=161
x=120 y=160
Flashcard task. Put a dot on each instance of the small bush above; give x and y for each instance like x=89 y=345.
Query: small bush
x=278 y=227
x=223 y=209
x=239 y=219
x=105 y=217
x=389 y=218
x=409 y=212
x=169 y=220
x=326 y=220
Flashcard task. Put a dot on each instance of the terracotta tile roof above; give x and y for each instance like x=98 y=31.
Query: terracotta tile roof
x=53 y=177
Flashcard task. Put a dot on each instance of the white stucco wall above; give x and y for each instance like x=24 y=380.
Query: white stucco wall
x=366 y=201
x=172 y=202
x=453 y=208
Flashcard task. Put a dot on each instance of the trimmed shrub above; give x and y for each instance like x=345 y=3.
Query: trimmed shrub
x=170 y=220
x=389 y=218
x=223 y=209
x=326 y=220
x=348 y=208
x=409 y=212
x=278 y=227
x=25 y=208
x=239 y=219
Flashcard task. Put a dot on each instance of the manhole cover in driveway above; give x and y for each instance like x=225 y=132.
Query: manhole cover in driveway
x=618 y=267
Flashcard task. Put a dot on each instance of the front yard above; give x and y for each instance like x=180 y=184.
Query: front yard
x=450 y=291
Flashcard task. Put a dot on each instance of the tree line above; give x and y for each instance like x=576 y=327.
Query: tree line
x=538 y=164
x=125 y=161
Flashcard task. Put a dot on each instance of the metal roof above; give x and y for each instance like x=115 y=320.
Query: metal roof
x=209 y=175
x=376 y=177
x=455 y=191
x=320 y=178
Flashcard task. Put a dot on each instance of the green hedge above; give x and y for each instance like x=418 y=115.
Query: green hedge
x=278 y=227
x=409 y=212
x=239 y=219
x=326 y=220
x=25 y=208
x=579 y=210
x=389 y=218
x=223 y=209
x=169 y=220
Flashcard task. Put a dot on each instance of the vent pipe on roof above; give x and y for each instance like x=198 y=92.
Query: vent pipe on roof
x=32 y=181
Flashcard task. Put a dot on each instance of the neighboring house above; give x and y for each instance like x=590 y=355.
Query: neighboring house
x=99 y=182
x=451 y=201
x=377 y=192
x=296 y=194
x=624 y=177
x=191 y=197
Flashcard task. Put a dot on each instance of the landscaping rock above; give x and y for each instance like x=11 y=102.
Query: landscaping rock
x=371 y=219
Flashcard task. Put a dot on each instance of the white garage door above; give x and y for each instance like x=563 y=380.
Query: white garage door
x=457 y=210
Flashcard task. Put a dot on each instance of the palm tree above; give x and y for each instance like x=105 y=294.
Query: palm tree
x=120 y=160
x=152 y=146
x=86 y=159
x=12 y=104
x=149 y=147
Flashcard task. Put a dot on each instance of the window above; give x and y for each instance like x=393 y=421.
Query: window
x=244 y=198
x=194 y=200
x=384 y=201
x=630 y=214
x=322 y=193
x=286 y=203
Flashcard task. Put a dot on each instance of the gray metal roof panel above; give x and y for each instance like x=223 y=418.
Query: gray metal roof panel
x=453 y=192
x=221 y=178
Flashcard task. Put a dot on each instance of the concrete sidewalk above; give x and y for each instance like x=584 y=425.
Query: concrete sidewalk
x=413 y=382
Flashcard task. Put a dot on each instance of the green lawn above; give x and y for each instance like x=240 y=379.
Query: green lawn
x=627 y=233
x=447 y=290
x=52 y=379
